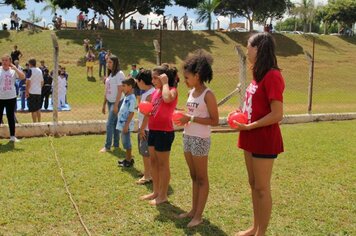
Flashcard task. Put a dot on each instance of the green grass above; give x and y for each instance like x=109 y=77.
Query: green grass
x=334 y=66
x=313 y=187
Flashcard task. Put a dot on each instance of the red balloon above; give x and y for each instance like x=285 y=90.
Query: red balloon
x=145 y=107
x=177 y=115
x=238 y=117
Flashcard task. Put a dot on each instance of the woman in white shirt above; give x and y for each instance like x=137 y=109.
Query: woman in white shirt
x=8 y=75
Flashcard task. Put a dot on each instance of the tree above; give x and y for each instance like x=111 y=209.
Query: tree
x=343 y=11
x=16 y=4
x=254 y=10
x=205 y=11
x=50 y=7
x=33 y=19
x=306 y=11
x=119 y=10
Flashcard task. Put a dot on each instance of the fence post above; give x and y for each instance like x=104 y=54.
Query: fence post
x=158 y=51
x=310 y=59
x=243 y=75
x=55 y=82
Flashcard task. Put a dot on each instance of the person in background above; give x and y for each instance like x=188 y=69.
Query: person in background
x=16 y=54
x=8 y=74
x=102 y=62
x=12 y=20
x=34 y=91
x=42 y=65
x=47 y=88
x=90 y=57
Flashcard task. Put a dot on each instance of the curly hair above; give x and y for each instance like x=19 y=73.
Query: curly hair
x=199 y=62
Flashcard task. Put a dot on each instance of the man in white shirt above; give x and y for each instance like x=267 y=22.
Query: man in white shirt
x=33 y=91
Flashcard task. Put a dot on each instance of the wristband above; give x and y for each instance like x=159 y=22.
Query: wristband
x=192 y=119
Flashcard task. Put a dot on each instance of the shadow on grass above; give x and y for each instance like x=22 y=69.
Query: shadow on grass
x=169 y=212
x=5 y=34
x=282 y=42
x=91 y=79
x=351 y=40
x=134 y=46
x=319 y=41
x=9 y=147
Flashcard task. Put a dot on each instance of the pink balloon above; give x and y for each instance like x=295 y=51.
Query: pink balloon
x=238 y=117
x=145 y=107
x=177 y=115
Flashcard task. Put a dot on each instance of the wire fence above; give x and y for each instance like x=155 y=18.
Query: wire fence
x=333 y=73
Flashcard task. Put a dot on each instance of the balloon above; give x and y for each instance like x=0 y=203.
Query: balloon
x=238 y=117
x=145 y=107
x=177 y=115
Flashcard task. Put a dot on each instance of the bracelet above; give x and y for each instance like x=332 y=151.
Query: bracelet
x=192 y=119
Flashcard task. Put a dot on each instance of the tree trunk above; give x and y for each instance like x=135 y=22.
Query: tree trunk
x=251 y=24
x=209 y=22
x=117 y=24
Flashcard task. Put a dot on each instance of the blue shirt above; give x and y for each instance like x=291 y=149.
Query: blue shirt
x=101 y=56
x=128 y=106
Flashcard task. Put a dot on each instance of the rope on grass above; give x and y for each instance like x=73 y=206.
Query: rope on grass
x=68 y=192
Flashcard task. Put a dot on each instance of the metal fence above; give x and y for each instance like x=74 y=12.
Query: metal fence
x=333 y=72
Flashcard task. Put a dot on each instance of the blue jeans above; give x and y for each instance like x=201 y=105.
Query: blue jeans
x=111 y=131
x=101 y=67
x=126 y=140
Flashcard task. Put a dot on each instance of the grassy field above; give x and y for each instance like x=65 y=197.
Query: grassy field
x=313 y=187
x=334 y=89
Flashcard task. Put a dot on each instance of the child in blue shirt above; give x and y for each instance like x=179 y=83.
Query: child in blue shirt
x=125 y=122
x=102 y=62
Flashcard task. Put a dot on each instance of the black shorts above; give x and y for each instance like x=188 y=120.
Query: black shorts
x=161 y=140
x=34 y=102
x=267 y=156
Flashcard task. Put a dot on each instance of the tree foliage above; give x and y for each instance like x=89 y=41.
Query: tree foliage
x=343 y=11
x=205 y=11
x=118 y=10
x=254 y=10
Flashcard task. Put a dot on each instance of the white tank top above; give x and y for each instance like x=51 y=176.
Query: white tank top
x=143 y=98
x=197 y=107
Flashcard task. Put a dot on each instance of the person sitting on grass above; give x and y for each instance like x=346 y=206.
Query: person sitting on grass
x=144 y=82
x=125 y=122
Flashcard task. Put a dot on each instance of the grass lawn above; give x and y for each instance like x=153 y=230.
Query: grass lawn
x=313 y=187
x=334 y=83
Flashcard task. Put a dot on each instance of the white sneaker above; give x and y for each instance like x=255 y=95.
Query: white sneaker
x=14 y=139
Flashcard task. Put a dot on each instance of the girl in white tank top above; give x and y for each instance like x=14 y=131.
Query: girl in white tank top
x=201 y=113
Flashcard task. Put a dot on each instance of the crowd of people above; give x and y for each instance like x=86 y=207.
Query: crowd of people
x=260 y=138
x=32 y=84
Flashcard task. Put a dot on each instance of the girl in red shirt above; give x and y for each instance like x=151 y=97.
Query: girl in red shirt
x=161 y=133
x=261 y=138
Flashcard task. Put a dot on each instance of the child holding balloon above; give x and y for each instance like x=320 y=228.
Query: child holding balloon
x=144 y=82
x=161 y=132
x=202 y=112
x=261 y=138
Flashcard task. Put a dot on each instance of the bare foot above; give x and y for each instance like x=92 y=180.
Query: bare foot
x=185 y=215
x=157 y=201
x=194 y=222
x=249 y=232
x=103 y=150
x=150 y=196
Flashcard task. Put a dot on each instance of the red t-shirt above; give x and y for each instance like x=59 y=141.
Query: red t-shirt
x=268 y=139
x=161 y=115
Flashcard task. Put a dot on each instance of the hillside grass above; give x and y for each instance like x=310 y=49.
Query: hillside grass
x=334 y=84
x=313 y=187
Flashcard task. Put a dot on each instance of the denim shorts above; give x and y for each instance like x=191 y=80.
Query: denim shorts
x=125 y=139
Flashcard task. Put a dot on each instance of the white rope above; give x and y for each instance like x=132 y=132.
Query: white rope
x=67 y=190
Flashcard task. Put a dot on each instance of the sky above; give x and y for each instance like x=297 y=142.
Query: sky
x=71 y=14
